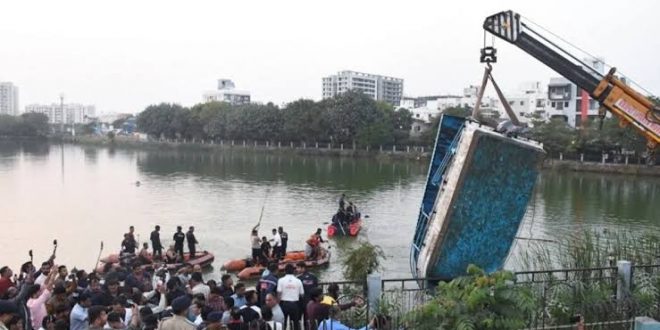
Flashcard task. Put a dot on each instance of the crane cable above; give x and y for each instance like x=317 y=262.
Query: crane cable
x=653 y=115
x=585 y=53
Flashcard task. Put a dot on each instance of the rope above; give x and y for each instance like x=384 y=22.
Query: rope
x=584 y=52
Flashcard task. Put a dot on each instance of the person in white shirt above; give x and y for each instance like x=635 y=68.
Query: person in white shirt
x=197 y=285
x=43 y=274
x=267 y=315
x=290 y=291
x=274 y=306
x=276 y=243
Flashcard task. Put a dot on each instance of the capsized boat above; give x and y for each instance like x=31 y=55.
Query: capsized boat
x=350 y=229
x=202 y=258
x=253 y=272
x=478 y=186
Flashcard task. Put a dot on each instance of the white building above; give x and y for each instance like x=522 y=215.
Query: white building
x=565 y=98
x=529 y=102
x=74 y=113
x=226 y=92
x=426 y=107
x=8 y=99
x=380 y=88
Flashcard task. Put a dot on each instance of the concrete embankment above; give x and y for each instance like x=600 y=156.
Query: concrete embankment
x=575 y=166
x=413 y=153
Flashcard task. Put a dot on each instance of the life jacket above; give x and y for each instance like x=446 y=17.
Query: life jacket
x=313 y=241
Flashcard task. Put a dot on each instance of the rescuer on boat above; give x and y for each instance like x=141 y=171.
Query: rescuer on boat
x=155 y=243
x=192 y=241
x=255 y=242
x=179 y=237
x=313 y=245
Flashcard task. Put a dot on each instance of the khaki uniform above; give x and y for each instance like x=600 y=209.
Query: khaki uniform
x=176 y=322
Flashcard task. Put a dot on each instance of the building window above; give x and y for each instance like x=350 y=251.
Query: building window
x=553 y=104
x=522 y=102
x=566 y=104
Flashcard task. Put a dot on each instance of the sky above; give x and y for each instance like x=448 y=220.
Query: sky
x=125 y=55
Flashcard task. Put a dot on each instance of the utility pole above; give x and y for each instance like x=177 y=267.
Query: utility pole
x=62 y=112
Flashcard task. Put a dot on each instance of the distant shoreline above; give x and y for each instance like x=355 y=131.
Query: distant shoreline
x=322 y=149
x=595 y=167
x=400 y=153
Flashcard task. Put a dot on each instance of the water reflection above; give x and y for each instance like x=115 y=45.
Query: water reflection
x=91 y=155
x=598 y=199
x=358 y=175
x=11 y=151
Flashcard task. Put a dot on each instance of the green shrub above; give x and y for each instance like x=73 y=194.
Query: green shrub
x=476 y=301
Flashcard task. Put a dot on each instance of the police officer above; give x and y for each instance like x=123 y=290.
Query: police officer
x=190 y=237
x=179 y=237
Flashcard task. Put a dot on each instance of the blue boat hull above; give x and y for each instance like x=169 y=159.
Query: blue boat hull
x=475 y=200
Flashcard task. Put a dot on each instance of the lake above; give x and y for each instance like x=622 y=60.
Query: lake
x=83 y=196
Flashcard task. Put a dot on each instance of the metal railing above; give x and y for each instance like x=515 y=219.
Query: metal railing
x=563 y=275
x=561 y=294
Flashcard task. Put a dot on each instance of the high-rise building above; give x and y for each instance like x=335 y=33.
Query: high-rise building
x=74 y=113
x=380 y=88
x=8 y=99
x=226 y=92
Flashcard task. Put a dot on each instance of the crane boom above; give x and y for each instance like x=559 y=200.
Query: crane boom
x=630 y=106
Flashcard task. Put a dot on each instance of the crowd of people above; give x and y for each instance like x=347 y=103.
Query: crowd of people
x=154 y=298
x=144 y=293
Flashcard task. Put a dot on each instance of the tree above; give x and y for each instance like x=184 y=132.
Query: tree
x=402 y=121
x=209 y=120
x=463 y=112
x=34 y=124
x=30 y=124
x=346 y=113
x=555 y=135
x=165 y=119
x=8 y=125
x=303 y=120
x=362 y=261
x=428 y=136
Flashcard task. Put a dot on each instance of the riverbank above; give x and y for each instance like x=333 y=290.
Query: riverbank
x=605 y=168
x=324 y=149
x=315 y=149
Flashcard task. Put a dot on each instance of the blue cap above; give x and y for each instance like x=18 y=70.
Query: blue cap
x=8 y=307
x=214 y=317
x=180 y=304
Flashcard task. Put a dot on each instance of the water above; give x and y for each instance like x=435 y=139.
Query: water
x=84 y=195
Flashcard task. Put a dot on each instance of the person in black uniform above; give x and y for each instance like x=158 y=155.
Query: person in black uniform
x=284 y=236
x=155 y=242
x=342 y=202
x=128 y=244
x=190 y=237
x=309 y=282
x=179 y=237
